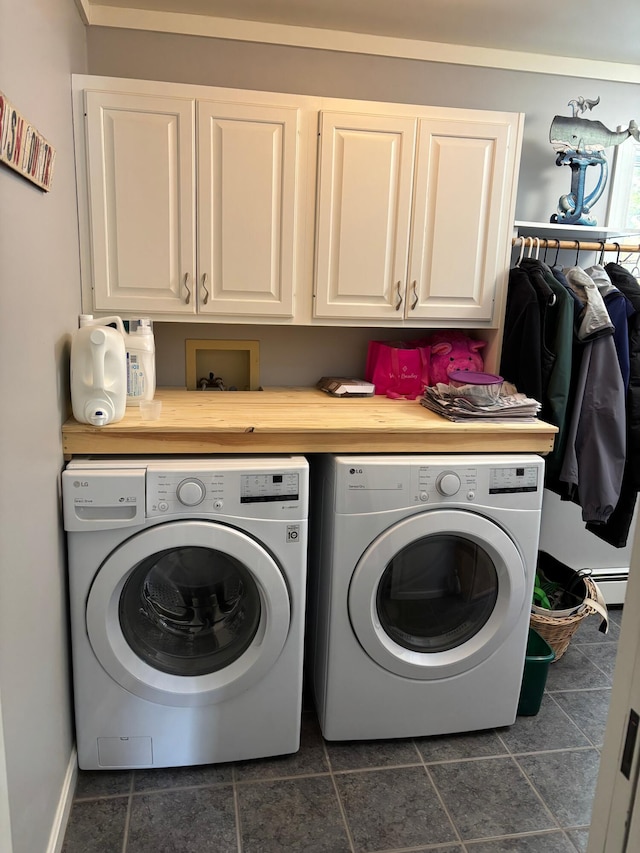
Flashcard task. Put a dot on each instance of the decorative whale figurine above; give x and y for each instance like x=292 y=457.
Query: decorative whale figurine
x=585 y=136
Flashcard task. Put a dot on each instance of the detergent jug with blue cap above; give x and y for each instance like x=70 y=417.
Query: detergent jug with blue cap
x=99 y=371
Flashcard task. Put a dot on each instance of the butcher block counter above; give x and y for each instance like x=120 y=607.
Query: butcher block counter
x=296 y=420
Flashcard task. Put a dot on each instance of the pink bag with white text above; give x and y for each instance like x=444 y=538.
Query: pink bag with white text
x=399 y=369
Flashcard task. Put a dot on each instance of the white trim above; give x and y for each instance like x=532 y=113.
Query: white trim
x=84 y=10
x=6 y=844
x=339 y=40
x=59 y=826
x=620 y=183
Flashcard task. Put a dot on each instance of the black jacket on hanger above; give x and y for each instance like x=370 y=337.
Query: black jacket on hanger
x=521 y=361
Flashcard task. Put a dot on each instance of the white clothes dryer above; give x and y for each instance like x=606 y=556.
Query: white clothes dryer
x=421 y=579
x=187 y=583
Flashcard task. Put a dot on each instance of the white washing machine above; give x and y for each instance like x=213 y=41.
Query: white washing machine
x=187 y=587
x=422 y=571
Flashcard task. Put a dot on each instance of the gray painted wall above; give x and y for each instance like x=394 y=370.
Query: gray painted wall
x=41 y=43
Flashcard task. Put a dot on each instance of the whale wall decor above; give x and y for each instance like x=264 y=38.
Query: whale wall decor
x=580 y=143
x=585 y=136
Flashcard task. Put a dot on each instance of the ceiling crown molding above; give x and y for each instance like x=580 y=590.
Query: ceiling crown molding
x=349 y=42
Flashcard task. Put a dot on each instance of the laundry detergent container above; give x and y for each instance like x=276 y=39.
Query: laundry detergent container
x=98 y=375
x=536 y=668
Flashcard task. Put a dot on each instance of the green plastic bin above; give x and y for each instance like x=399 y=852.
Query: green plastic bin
x=536 y=667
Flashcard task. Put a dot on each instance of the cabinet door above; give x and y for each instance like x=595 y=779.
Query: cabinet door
x=247 y=208
x=142 y=202
x=364 y=207
x=460 y=228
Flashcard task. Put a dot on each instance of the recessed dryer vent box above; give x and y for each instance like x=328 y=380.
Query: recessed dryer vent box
x=237 y=363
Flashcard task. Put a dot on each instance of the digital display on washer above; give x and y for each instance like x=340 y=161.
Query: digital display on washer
x=504 y=481
x=260 y=488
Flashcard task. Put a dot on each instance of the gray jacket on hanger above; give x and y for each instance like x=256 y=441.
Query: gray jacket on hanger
x=594 y=460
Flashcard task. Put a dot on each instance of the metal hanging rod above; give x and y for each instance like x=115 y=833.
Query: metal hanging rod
x=576 y=245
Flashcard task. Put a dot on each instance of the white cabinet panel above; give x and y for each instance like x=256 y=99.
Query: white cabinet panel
x=246 y=208
x=364 y=209
x=459 y=227
x=142 y=202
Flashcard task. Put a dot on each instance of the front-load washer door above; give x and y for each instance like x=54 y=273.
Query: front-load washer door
x=437 y=593
x=188 y=613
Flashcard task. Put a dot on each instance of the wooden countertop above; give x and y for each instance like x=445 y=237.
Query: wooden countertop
x=296 y=420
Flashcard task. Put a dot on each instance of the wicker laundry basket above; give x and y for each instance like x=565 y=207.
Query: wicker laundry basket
x=558 y=630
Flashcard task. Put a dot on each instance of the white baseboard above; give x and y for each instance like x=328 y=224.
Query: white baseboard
x=65 y=802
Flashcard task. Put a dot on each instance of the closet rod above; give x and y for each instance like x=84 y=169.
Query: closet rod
x=580 y=245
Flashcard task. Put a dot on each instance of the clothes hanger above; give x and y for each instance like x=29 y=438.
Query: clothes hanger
x=577 y=252
x=601 y=259
x=617 y=245
x=519 y=261
x=537 y=239
x=555 y=262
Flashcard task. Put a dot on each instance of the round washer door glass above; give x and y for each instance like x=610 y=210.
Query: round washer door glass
x=190 y=610
x=188 y=613
x=437 y=593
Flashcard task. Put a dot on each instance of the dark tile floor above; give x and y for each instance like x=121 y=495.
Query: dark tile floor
x=527 y=788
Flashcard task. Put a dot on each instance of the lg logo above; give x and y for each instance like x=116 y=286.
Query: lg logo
x=80 y=484
x=355 y=470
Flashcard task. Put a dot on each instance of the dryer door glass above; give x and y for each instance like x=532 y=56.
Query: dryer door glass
x=189 y=610
x=437 y=592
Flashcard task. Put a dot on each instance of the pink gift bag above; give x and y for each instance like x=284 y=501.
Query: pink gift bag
x=399 y=369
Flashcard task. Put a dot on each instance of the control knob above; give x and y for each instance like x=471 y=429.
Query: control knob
x=190 y=492
x=448 y=484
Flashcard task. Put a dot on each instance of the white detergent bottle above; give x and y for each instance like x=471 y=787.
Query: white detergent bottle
x=141 y=362
x=98 y=371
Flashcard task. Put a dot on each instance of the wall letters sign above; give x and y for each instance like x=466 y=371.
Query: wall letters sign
x=23 y=148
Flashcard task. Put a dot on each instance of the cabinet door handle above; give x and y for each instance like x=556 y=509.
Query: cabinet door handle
x=399 y=295
x=204 y=287
x=186 y=284
x=414 y=286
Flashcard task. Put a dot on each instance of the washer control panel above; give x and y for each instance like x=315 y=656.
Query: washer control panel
x=509 y=481
x=260 y=488
x=181 y=492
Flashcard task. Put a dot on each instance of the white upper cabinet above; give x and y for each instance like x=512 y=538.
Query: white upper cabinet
x=247 y=186
x=193 y=206
x=201 y=203
x=141 y=172
x=414 y=215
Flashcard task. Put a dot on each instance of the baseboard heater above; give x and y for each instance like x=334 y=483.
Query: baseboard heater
x=612 y=583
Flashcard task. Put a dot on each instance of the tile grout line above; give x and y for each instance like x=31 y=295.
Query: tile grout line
x=127 y=819
x=236 y=807
x=439 y=796
x=347 y=828
x=577 y=725
x=535 y=790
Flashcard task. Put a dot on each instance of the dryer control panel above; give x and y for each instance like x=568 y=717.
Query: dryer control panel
x=379 y=483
